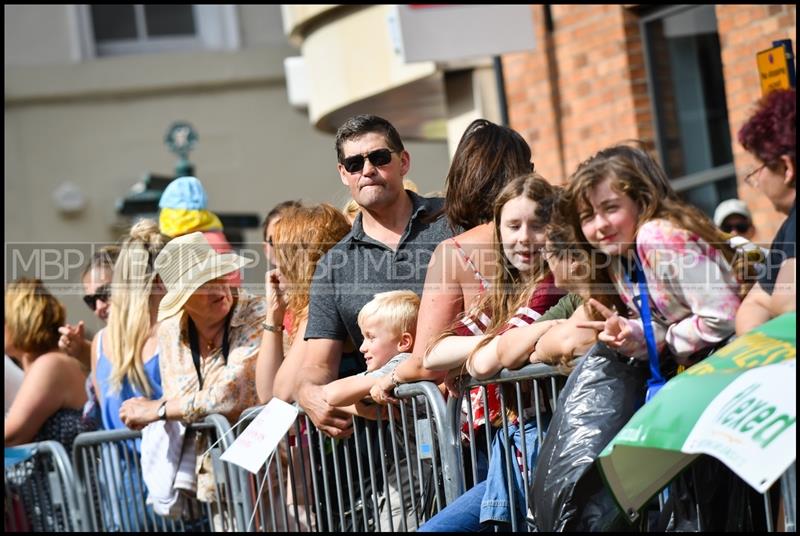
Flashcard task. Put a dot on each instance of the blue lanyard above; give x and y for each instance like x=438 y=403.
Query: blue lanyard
x=644 y=310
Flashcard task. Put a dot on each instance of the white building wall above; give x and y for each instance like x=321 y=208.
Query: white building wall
x=100 y=124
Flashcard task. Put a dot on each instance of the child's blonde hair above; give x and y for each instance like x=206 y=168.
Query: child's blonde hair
x=395 y=310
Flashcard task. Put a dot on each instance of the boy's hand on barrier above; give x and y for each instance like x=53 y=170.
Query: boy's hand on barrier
x=381 y=392
x=368 y=409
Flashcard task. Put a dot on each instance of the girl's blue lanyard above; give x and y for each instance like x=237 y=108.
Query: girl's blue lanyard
x=656 y=379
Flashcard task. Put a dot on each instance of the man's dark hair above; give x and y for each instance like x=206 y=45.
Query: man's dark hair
x=276 y=211
x=358 y=125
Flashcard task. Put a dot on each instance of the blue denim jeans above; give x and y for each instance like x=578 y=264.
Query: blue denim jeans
x=462 y=515
x=488 y=503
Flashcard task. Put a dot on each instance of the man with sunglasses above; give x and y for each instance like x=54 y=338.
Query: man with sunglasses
x=389 y=248
x=733 y=217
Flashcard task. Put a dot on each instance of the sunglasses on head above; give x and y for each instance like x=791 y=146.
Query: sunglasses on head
x=102 y=293
x=379 y=157
x=740 y=228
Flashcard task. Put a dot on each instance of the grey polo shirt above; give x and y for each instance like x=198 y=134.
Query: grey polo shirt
x=358 y=267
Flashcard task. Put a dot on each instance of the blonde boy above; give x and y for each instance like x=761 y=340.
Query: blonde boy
x=388 y=323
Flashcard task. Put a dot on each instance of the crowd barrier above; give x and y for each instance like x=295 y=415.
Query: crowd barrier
x=531 y=394
x=110 y=484
x=392 y=474
x=39 y=490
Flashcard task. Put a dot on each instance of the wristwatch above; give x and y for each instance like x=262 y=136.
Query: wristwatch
x=162 y=410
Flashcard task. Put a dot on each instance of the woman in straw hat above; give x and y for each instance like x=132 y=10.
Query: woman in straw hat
x=209 y=340
x=209 y=337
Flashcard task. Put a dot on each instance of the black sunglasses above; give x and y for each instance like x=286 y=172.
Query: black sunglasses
x=740 y=228
x=102 y=293
x=379 y=157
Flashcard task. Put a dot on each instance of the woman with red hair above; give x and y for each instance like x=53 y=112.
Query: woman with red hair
x=770 y=136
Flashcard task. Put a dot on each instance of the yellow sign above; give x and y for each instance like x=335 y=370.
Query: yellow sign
x=773 y=71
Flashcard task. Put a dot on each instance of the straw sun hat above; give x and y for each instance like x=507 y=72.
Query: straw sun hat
x=185 y=264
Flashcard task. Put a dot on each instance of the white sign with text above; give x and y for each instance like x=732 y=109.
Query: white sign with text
x=751 y=425
x=252 y=448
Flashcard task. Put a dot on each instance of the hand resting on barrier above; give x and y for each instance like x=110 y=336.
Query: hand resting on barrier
x=329 y=420
x=138 y=412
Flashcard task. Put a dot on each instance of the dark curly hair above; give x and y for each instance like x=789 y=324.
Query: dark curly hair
x=770 y=132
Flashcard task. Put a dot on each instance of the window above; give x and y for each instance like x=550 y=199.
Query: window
x=117 y=29
x=686 y=84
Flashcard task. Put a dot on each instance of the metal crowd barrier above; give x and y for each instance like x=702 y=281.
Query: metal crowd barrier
x=39 y=492
x=392 y=474
x=783 y=493
x=112 y=493
x=534 y=392
x=789 y=497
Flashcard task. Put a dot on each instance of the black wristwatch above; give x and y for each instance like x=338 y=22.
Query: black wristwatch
x=162 y=410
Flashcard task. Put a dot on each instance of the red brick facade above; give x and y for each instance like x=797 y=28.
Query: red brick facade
x=743 y=31
x=585 y=87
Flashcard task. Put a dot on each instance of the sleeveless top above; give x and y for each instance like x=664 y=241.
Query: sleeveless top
x=63 y=426
x=484 y=283
x=110 y=402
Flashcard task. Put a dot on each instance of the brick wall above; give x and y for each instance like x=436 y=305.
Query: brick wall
x=584 y=87
x=532 y=96
x=743 y=31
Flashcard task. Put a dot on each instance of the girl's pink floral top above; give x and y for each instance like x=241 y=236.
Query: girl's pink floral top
x=693 y=291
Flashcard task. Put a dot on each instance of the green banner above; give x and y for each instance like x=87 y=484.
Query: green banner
x=737 y=405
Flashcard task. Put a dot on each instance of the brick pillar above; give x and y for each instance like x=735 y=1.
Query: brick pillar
x=745 y=30
x=583 y=88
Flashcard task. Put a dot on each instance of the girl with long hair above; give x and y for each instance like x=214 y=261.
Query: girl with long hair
x=616 y=203
x=523 y=291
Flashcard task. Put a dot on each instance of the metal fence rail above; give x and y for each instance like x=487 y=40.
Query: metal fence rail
x=530 y=393
x=392 y=474
x=112 y=493
x=39 y=491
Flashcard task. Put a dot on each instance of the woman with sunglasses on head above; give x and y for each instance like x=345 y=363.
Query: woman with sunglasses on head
x=770 y=136
x=96 y=281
